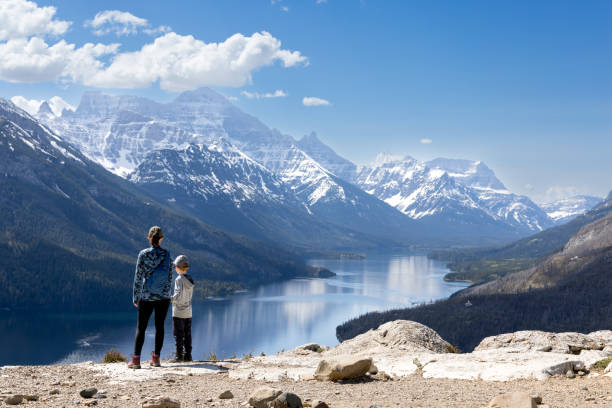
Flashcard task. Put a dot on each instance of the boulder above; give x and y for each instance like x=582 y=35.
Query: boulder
x=533 y=340
x=261 y=397
x=514 y=400
x=286 y=400
x=608 y=368
x=404 y=335
x=160 y=402
x=343 y=369
x=320 y=404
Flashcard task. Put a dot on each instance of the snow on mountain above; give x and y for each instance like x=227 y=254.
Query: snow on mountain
x=119 y=131
x=21 y=129
x=328 y=158
x=568 y=208
x=448 y=186
x=210 y=172
x=54 y=105
x=513 y=209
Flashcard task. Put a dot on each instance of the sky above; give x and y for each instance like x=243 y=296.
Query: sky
x=524 y=86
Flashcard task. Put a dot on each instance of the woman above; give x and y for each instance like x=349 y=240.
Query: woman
x=152 y=283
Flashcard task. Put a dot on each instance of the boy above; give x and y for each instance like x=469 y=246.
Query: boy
x=181 y=309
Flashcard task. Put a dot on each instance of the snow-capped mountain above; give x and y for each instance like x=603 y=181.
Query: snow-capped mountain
x=446 y=187
x=561 y=211
x=222 y=186
x=442 y=198
x=212 y=172
x=328 y=158
x=119 y=131
x=513 y=209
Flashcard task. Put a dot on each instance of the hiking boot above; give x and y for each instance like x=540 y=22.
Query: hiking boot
x=187 y=357
x=135 y=363
x=155 y=360
x=178 y=358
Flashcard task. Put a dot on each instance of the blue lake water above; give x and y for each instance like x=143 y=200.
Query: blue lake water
x=267 y=319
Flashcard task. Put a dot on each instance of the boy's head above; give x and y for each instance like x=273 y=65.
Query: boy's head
x=181 y=264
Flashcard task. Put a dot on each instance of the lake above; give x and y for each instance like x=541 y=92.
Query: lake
x=266 y=319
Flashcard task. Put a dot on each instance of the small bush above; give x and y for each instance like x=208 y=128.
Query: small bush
x=249 y=356
x=602 y=364
x=114 y=356
x=212 y=356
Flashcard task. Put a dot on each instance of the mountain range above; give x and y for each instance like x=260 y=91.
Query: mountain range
x=394 y=201
x=71 y=230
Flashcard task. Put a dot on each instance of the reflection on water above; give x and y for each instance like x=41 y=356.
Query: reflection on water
x=267 y=319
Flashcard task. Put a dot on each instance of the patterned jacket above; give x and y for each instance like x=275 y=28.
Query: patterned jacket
x=153 y=276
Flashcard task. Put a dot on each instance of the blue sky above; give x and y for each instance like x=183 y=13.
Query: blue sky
x=524 y=86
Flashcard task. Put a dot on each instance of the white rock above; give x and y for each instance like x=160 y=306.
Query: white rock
x=533 y=340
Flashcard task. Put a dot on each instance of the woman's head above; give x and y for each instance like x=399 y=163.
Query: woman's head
x=155 y=235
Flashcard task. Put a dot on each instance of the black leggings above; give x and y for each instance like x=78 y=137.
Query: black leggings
x=145 y=310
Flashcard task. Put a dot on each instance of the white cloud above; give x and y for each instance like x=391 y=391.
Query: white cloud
x=23 y=19
x=177 y=62
x=233 y=98
x=279 y=93
x=56 y=104
x=285 y=9
x=314 y=101
x=426 y=141
x=29 y=105
x=23 y=60
x=122 y=23
x=182 y=62
x=555 y=193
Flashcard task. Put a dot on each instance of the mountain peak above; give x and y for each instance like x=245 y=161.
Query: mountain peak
x=310 y=138
x=44 y=109
x=384 y=158
x=203 y=94
x=470 y=172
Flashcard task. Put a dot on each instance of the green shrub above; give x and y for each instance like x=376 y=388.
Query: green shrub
x=602 y=364
x=114 y=356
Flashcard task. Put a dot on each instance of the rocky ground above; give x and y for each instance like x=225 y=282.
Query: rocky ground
x=392 y=383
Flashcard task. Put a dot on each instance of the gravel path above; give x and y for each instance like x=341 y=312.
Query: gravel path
x=202 y=389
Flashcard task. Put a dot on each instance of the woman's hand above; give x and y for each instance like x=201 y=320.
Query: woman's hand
x=136 y=304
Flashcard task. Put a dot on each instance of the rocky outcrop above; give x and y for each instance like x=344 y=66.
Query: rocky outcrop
x=402 y=348
x=531 y=340
x=401 y=335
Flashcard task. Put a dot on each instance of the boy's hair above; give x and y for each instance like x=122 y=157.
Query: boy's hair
x=155 y=235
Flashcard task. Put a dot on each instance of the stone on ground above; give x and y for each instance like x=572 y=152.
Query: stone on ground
x=514 y=400
x=88 y=392
x=261 y=397
x=286 y=400
x=320 y=404
x=160 y=402
x=343 y=368
x=13 y=399
x=226 y=395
